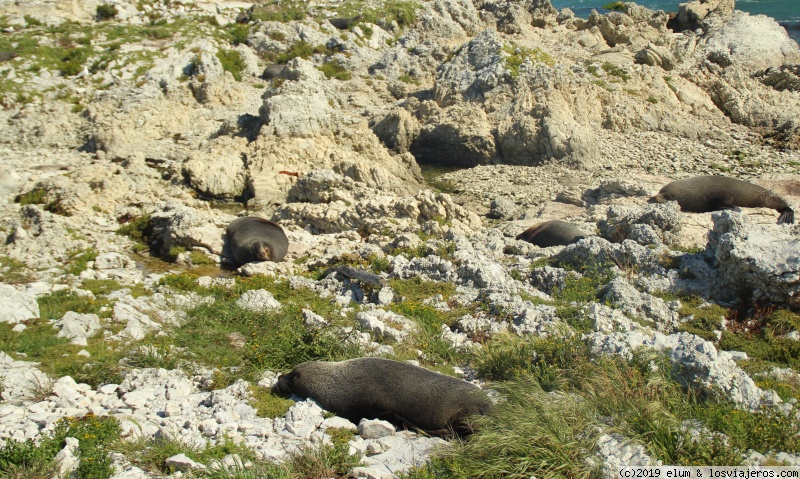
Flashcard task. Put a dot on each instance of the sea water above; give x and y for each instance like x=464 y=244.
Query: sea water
x=786 y=12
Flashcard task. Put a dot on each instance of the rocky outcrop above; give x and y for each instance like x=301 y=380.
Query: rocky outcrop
x=758 y=258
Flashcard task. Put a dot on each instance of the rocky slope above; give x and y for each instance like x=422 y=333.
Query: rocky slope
x=134 y=132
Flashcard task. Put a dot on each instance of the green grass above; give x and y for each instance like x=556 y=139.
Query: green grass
x=106 y=11
x=615 y=71
x=36 y=196
x=139 y=230
x=268 y=404
x=555 y=394
x=151 y=454
x=14 y=272
x=276 y=340
x=615 y=6
x=232 y=61
x=516 y=55
x=276 y=11
x=94 y=433
x=335 y=69
x=79 y=261
x=415 y=289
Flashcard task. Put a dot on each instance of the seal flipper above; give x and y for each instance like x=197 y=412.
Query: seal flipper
x=786 y=217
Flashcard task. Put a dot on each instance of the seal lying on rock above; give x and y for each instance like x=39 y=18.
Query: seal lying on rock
x=344 y=23
x=552 y=233
x=256 y=239
x=379 y=388
x=702 y=194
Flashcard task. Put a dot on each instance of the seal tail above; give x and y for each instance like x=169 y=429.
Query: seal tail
x=786 y=217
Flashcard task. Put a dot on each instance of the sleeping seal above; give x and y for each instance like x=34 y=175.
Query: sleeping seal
x=702 y=194
x=343 y=23
x=552 y=233
x=256 y=239
x=379 y=388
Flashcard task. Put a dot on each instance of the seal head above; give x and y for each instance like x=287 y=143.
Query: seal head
x=256 y=239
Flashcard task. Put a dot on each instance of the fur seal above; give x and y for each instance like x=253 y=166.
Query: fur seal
x=256 y=239
x=380 y=388
x=273 y=71
x=702 y=194
x=344 y=23
x=552 y=233
x=6 y=56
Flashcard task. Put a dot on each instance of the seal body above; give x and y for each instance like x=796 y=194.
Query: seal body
x=702 y=194
x=552 y=233
x=256 y=239
x=380 y=388
x=343 y=23
x=273 y=71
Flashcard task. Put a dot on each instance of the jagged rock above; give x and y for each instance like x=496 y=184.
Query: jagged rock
x=182 y=462
x=691 y=14
x=503 y=208
x=258 y=300
x=16 y=306
x=66 y=459
x=695 y=361
x=549 y=279
x=651 y=224
x=218 y=170
x=374 y=428
x=77 y=327
x=624 y=296
x=369 y=210
x=178 y=225
x=764 y=259
x=753 y=41
x=386 y=324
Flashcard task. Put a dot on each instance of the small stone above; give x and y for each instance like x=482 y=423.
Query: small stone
x=374 y=428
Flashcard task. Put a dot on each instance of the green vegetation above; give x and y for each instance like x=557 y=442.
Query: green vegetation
x=652 y=99
x=275 y=340
x=106 y=11
x=139 y=230
x=34 y=197
x=151 y=454
x=268 y=404
x=232 y=61
x=547 y=425
x=517 y=55
x=27 y=459
x=335 y=69
x=79 y=260
x=276 y=11
x=615 y=71
x=616 y=6
x=406 y=78
x=13 y=271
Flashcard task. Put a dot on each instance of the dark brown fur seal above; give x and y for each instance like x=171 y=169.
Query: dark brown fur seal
x=273 y=71
x=379 y=388
x=344 y=23
x=6 y=56
x=256 y=239
x=552 y=233
x=702 y=194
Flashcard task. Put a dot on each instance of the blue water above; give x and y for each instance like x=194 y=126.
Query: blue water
x=786 y=12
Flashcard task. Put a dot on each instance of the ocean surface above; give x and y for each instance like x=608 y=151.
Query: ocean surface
x=786 y=12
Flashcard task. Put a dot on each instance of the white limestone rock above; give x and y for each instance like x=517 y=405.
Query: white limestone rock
x=258 y=300
x=16 y=306
x=375 y=429
x=78 y=327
